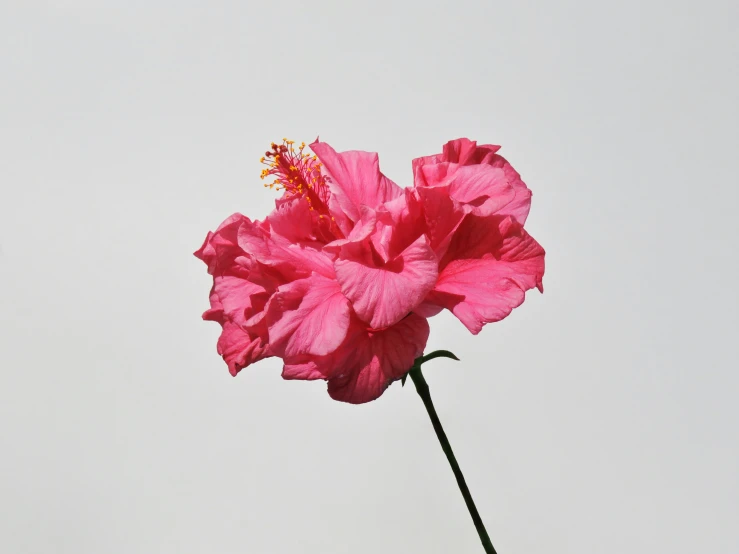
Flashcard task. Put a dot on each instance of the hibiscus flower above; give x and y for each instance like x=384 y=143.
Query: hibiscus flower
x=340 y=279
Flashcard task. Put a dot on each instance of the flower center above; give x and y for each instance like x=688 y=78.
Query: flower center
x=297 y=173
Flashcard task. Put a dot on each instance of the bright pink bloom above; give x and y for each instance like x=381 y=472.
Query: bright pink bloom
x=339 y=279
x=476 y=205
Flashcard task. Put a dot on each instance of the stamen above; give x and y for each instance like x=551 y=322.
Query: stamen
x=296 y=172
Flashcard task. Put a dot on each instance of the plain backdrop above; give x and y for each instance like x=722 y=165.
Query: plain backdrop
x=600 y=417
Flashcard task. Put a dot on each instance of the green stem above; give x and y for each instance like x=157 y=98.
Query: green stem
x=423 y=391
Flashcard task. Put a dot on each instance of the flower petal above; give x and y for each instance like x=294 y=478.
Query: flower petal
x=234 y=300
x=382 y=293
x=362 y=229
x=240 y=349
x=460 y=151
x=481 y=186
x=293 y=261
x=428 y=308
x=308 y=316
x=292 y=220
x=440 y=169
x=467 y=152
x=443 y=215
x=519 y=207
x=355 y=179
x=489 y=265
x=234 y=297
x=231 y=298
x=220 y=249
x=400 y=223
x=302 y=369
x=373 y=360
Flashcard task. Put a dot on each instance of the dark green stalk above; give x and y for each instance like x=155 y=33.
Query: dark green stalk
x=423 y=391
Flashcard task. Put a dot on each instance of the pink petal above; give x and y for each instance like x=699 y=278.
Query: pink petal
x=309 y=316
x=489 y=265
x=428 y=308
x=467 y=152
x=519 y=207
x=400 y=223
x=417 y=163
x=231 y=296
x=221 y=249
x=443 y=215
x=483 y=187
x=233 y=300
x=239 y=349
x=363 y=228
x=292 y=260
x=302 y=370
x=267 y=277
x=441 y=168
x=356 y=180
x=460 y=151
x=383 y=293
x=292 y=219
x=370 y=361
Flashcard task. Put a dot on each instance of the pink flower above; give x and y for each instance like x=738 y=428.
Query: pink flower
x=339 y=279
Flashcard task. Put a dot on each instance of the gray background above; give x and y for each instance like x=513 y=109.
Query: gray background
x=601 y=417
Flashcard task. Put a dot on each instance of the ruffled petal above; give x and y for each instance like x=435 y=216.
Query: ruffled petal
x=231 y=298
x=292 y=260
x=461 y=151
x=302 y=369
x=481 y=190
x=382 y=293
x=370 y=361
x=292 y=220
x=443 y=214
x=363 y=228
x=490 y=264
x=220 y=250
x=356 y=180
x=233 y=301
x=239 y=349
x=308 y=316
x=519 y=207
x=400 y=223
x=428 y=308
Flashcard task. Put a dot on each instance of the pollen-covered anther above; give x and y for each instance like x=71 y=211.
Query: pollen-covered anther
x=297 y=173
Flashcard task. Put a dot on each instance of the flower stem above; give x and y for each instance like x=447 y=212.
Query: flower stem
x=423 y=391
